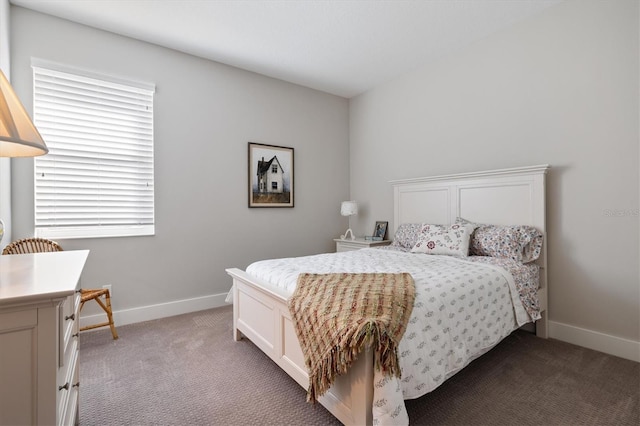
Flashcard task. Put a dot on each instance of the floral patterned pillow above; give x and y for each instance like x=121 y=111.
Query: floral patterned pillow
x=406 y=235
x=518 y=242
x=450 y=240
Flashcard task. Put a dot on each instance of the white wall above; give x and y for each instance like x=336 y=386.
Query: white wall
x=561 y=88
x=205 y=114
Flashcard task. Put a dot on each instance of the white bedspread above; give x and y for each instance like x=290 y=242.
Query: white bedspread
x=462 y=309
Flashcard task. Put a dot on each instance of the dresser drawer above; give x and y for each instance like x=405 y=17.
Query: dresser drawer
x=69 y=415
x=67 y=377
x=67 y=386
x=68 y=331
x=65 y=372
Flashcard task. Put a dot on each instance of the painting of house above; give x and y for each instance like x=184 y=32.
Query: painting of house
x=270 y=176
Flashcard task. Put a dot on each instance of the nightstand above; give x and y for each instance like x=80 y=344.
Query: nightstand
x=358 y=243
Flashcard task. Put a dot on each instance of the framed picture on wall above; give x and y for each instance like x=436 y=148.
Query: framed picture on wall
x=270 y=175
x=380 y=231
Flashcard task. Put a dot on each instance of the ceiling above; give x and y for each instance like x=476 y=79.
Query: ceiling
x=343 y=47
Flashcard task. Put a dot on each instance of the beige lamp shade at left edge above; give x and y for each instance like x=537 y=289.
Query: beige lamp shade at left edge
x=18 y=135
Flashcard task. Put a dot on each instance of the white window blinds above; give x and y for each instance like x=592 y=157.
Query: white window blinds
x=97 y=179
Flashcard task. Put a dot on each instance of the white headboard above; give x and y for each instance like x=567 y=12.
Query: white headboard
x=501 y=197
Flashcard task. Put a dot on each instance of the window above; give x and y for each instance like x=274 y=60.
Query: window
x=274 y=169
x=97 y=180
x=274 y=185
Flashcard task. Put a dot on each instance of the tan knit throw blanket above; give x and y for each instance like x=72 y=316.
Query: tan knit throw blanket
x=337 y=315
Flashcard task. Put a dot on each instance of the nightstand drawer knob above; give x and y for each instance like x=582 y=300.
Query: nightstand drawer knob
x=70 y=317
x=65 y=386
x=77 y=385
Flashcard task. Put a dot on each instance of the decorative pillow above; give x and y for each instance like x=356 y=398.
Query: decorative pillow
x=518 y=242
x=444 y=239
x=406 y=235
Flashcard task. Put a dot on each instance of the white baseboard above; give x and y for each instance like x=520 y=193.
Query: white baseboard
x=601 y=342
x=161 y=310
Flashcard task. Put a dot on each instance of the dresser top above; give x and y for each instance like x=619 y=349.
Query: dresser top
x=26 y=278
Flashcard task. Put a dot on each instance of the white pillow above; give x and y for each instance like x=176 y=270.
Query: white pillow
x=452 y=240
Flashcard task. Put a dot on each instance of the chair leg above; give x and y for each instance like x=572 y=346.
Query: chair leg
x=106 y=307
x=114 y=333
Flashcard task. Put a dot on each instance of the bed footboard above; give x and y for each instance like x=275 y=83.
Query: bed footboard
x=261 y=314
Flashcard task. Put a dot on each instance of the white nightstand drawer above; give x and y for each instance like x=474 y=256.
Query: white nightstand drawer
x=357 y=244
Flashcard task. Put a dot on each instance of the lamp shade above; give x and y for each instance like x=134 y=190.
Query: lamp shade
x=349 y=208
x=18 y=135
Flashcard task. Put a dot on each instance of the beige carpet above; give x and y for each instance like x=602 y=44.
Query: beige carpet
x=187 y=370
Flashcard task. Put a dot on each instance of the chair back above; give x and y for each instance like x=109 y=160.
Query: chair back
x=31 y=245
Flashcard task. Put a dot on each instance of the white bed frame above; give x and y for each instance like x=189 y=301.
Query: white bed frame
x=504 y=197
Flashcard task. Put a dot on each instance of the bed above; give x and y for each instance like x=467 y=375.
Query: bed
x=499 y=197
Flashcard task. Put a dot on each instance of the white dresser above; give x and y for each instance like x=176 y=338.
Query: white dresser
x=39 y=301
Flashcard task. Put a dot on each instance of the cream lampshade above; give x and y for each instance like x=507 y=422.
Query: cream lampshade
x=348 y=208
x=18 y=135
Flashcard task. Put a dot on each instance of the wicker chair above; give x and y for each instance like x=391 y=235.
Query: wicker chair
x=42 y=245
x=31 y=245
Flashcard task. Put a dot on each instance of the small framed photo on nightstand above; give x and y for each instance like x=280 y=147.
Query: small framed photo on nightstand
x=380 y=231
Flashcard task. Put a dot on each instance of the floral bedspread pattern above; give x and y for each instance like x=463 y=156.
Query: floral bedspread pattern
x=461 y=310
x=526 y=277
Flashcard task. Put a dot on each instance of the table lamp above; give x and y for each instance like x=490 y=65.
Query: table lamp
x=348 y=208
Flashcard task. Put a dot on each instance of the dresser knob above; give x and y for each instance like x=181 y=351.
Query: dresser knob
x=77 y=385
x=70 y=317
x=75 y=335
x=65 y=387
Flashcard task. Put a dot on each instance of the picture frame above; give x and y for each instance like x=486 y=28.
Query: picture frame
x=271 y=177
x=380 y=230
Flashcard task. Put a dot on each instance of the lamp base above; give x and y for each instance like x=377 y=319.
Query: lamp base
x=344 y=237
